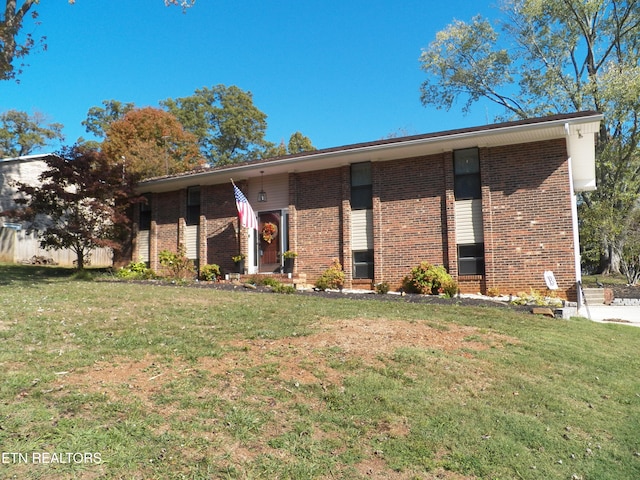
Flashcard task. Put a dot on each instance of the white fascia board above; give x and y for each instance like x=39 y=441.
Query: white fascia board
x=420 y=146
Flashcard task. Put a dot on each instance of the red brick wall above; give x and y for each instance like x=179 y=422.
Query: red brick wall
x=318 y=210
x=165 y=216
x=527 y=217
x=219 y=207
x=526 y=209
x=408 y=216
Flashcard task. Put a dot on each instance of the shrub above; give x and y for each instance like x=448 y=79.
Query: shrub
x=536 y=298
x=493 y=292
x=269 y=282
x=210 y=273
x=382 y=288
x=282 y=288
x=135 y=271
x=332 y=277
x=430 y=280
x=177 y=264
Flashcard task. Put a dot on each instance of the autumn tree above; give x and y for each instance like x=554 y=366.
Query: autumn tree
x=149 y=142
x=556 y=56
x=229 y=127
x=15 y=46
x=22 y=134
x=80 y=203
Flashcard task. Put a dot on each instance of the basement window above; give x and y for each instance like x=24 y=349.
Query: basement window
x=471 y=259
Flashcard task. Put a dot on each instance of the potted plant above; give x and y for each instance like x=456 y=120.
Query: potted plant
x=238 y=260
x=289 y=260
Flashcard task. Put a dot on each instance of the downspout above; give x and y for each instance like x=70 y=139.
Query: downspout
x=576 y=232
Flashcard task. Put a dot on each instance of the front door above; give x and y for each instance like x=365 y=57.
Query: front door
x=269 y=242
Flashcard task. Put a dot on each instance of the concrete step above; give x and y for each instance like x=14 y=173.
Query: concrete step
x=594 y=296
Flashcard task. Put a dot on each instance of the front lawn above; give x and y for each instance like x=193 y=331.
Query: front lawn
x=161 y=381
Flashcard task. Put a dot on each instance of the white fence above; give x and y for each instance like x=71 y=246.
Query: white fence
x=16 y=246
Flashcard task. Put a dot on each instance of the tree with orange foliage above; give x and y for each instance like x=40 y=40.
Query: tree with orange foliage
x=149 y=142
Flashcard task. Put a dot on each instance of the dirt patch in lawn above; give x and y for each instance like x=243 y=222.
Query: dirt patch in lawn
x=303 y=359
x=283 y=364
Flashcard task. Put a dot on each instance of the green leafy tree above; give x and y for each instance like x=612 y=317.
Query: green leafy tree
x=299 y=143
x=229 y=127
x=556 y=56
x=150 y=142
x=21 y=134
x=80 y=203
x=99 y=119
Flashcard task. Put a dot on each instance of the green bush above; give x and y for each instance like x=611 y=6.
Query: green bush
x=177 y=265
x=135 y=271
x=382 y=288
x=429 y=279
x=210 y=272
x=332 y=277
x=282 y=288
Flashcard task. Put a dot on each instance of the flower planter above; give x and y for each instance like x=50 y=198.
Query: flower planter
x=289 y=263
x=239 y=267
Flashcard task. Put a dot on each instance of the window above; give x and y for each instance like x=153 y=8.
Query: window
x=144 y=222
x=466 y=168
x=363 y=264
x=471 y=259
x=193 y=205
x=361 y=190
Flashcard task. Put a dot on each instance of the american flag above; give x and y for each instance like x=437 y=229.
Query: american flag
x=245 y=212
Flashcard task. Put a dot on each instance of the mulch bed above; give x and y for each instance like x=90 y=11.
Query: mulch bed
x=407 y=298
x=624 y=291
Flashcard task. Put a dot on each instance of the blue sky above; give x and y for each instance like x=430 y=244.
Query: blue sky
x=340 y=72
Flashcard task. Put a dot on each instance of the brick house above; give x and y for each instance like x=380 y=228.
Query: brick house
x=494 y=204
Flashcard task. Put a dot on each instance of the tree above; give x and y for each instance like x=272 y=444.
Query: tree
x=21 y=134
x=80 y=204
x=13 y=47
x=229 y=128
x=149 y=142
x=556 y=56
x=100 y=118
x=299 y=143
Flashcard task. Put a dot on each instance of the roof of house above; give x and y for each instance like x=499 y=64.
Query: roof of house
x=578 y=128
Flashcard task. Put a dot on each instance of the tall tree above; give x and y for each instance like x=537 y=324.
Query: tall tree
x=80 y=204
x=556 y=56
x=229 y=127
x=21 y=134
x=14 y=46
x=150 y=142
x=299 y=143
x=100 y=118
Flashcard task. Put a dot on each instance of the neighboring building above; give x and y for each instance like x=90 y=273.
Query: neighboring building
x=494 y=204
x=16 y=244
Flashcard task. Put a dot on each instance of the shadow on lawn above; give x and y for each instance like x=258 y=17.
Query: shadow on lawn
x=29 y=274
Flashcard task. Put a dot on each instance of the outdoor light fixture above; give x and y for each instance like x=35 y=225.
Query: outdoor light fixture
x=262 y=195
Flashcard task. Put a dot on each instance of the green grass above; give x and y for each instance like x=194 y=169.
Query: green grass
x=177 y=382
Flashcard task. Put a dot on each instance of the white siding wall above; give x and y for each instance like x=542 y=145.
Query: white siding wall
x=277 y=190
x=143 y=245
x=469 y=221
x=191 y=241
x=361 y=230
